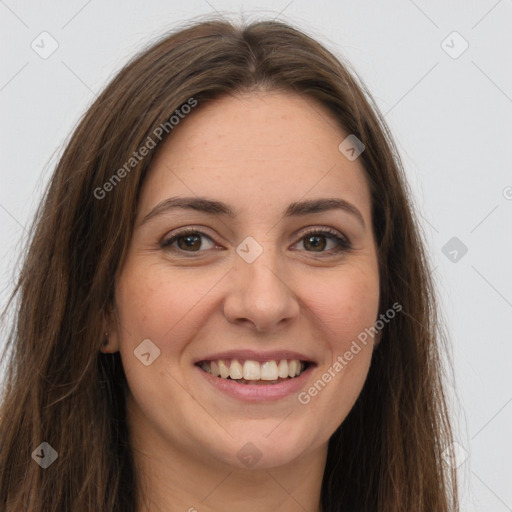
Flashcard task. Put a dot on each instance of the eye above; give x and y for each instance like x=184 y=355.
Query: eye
x=318 y=240
x=188 y=240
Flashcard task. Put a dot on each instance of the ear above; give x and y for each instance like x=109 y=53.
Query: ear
x=110 y=341
x=377 y=339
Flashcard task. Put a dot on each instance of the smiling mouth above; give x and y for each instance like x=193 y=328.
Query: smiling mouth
x=254 y=372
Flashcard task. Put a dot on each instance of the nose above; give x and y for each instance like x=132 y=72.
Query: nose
x=260 y=295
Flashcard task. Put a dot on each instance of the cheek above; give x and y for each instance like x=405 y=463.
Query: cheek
x=152 y=304
x=348 y=307
x=347 y=313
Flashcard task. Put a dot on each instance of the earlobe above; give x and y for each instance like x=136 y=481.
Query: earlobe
x=109 y=343
x=105 y=345
x=377 y=339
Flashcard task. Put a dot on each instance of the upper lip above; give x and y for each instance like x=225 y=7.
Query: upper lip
x=252 y=355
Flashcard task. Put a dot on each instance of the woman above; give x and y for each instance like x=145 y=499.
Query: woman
x=226 y=302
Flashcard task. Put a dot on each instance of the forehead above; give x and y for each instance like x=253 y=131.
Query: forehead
x=257 y=150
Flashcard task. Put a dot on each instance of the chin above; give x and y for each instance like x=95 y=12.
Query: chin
x=264 y=448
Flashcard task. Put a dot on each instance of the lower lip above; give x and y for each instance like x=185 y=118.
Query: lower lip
x=258 y=392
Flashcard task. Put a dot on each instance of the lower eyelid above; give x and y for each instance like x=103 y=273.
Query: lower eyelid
x=167 y=243
x=343 y=243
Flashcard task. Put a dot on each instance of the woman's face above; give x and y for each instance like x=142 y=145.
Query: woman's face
x=256 y=281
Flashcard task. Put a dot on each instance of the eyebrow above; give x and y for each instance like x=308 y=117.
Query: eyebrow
x=296 y=209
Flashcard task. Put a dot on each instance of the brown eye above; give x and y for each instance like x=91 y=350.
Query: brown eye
x=325 y=241
x=315 y=242
x=192 y=242
x=188 y=241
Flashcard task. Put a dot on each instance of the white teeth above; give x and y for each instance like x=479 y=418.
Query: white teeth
x=269 y=370
x=223 y=369
x=251 y=370
x=283 y=369
x=235 y=370
x=293 y=368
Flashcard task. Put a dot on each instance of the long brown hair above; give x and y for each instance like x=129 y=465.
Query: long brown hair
x=385 y=457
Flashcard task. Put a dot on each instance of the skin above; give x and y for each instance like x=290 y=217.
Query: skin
x=257 y=152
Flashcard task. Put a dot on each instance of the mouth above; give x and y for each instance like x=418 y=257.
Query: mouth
x=253 y=372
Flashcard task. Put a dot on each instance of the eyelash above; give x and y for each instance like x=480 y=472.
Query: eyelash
x=344 y=244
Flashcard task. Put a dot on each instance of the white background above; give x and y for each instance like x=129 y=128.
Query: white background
x=451 y=117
